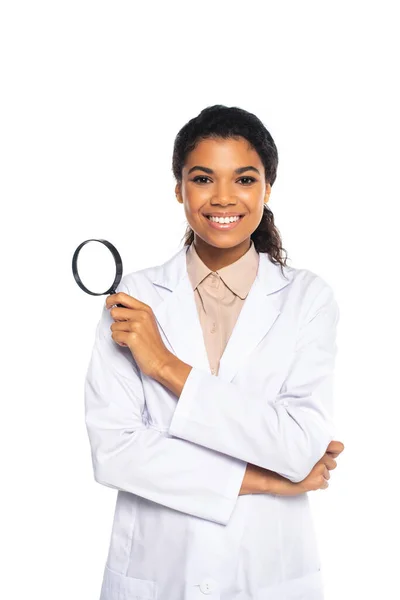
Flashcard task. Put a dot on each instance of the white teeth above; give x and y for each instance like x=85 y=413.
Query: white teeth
x=224 y=219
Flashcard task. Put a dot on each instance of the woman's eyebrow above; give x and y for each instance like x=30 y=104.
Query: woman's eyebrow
x=211 y=172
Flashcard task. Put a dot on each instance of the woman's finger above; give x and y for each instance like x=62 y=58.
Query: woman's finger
x=328 y=461
x=335 y=447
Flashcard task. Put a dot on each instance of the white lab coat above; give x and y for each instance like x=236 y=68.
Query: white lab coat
x=180 y=529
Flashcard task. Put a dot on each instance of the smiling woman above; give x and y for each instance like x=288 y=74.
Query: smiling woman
x=209 y=392
x=225 y=163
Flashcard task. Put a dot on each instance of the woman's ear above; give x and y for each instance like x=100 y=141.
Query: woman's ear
x=178 y=193
x=267 y=192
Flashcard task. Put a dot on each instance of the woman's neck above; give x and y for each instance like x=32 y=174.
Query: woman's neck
x=218 y=258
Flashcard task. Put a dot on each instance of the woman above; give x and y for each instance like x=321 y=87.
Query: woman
x=209 y=393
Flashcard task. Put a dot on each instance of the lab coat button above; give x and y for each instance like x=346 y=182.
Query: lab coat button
x=208 y=586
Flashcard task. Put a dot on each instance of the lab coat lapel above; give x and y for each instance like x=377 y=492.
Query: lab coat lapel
x=257 y=315
x=177 y=313
x=178 y=318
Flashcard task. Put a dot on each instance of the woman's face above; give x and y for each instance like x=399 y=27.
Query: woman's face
x=223 y=177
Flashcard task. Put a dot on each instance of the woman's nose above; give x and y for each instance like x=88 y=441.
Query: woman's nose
x=223 y=194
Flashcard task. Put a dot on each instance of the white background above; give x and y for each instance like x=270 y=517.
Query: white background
x=92 y=95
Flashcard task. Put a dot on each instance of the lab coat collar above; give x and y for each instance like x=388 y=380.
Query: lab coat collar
x=178 y=317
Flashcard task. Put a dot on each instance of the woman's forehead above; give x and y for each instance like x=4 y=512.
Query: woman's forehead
x=222 y=154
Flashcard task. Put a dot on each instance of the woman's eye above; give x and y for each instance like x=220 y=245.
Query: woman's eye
x=251 y=179
x=196 y=179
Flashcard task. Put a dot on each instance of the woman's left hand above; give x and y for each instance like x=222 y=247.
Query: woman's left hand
x=136 y=327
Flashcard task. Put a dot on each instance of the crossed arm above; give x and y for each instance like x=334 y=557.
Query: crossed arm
x=258 y=480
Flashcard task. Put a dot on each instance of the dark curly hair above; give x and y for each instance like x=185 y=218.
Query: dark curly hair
x=219 y=121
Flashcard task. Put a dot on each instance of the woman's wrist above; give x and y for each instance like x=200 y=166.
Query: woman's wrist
x=255 y=480
x=276 y=484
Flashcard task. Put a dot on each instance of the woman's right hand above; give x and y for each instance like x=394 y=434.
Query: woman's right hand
x=317 y=479
x=262 y=481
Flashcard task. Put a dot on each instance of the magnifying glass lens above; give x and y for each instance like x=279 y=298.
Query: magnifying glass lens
x=97 y=267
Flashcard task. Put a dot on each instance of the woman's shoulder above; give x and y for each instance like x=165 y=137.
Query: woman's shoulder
x=166 y=274
x=134 y=281
x=304 y=278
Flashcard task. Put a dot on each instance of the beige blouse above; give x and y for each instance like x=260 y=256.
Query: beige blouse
x=219 y=297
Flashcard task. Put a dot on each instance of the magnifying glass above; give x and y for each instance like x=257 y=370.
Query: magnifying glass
x=96 y=266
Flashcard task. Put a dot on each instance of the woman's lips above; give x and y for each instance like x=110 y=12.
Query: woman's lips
x=223 y=226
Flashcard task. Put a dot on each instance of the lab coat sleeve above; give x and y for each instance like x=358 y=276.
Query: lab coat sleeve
x=288 y=433
x=128 y=455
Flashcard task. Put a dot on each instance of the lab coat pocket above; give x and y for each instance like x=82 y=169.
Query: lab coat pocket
x=120 y=587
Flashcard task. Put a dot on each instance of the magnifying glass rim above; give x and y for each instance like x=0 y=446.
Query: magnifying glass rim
x=118 y=265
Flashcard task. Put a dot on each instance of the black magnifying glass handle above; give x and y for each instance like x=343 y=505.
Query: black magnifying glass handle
x=118 y=265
